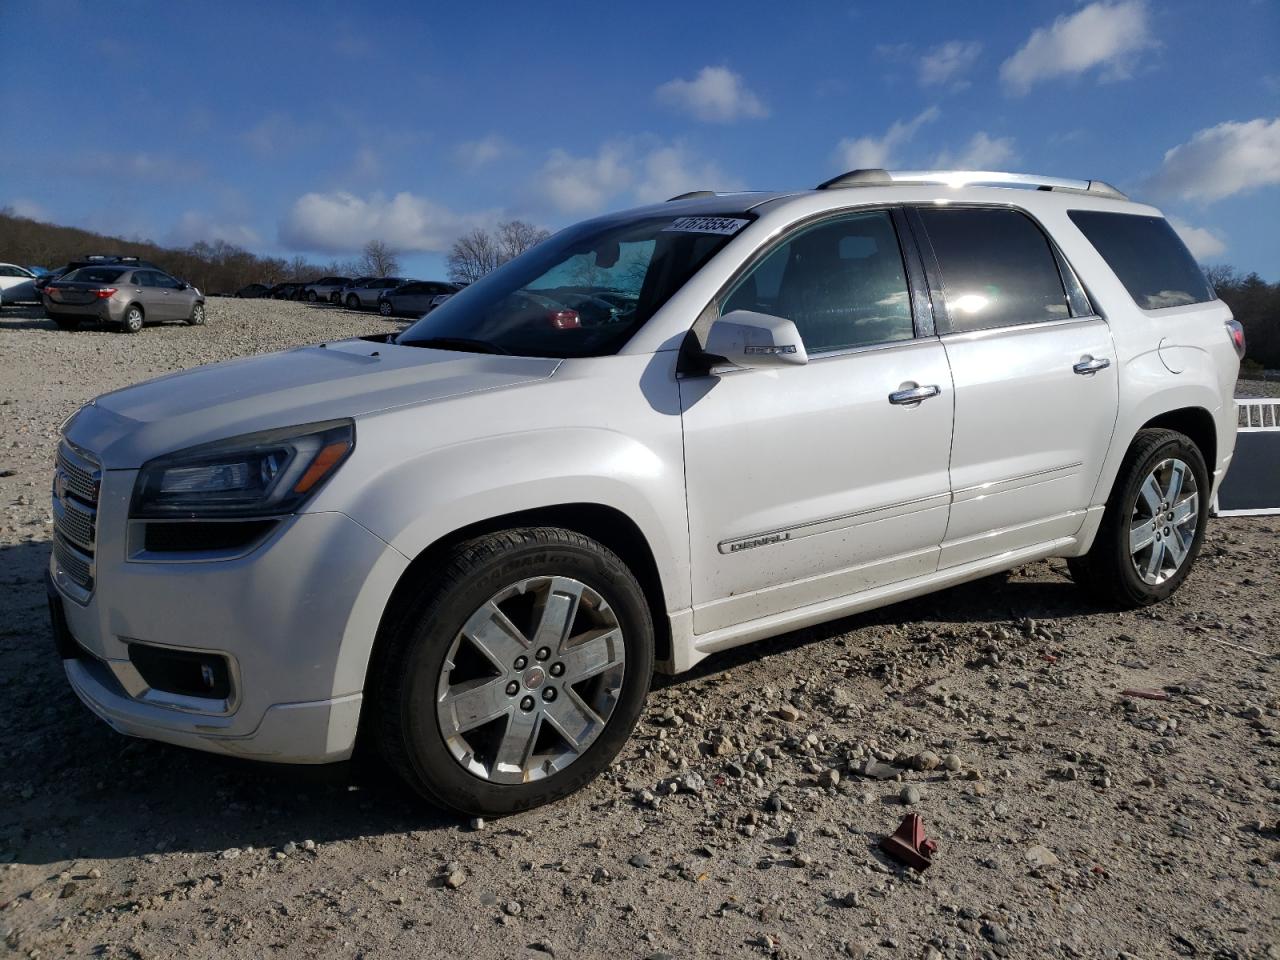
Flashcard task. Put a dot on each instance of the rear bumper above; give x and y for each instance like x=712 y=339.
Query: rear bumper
x=107 y=310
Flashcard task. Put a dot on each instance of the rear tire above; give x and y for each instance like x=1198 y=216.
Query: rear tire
x=384 y=308
x=133 y=319
x=353 y=302
x=1153 y=526
x=311 y=296
x=503 y=749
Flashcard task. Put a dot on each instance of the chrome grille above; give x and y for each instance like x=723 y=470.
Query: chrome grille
x=75 y=514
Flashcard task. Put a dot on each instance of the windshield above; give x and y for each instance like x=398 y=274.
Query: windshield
x=582 y=293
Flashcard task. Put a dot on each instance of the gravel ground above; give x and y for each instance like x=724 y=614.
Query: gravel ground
x=741 y=819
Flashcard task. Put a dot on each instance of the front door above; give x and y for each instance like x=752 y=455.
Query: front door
x=1036 y=387
x=818 y=481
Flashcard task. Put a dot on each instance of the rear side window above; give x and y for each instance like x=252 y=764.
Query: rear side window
x=998 y=269
x=1151 y=261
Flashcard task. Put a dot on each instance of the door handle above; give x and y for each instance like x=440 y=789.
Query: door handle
x=913 y=395
x=1088 y=365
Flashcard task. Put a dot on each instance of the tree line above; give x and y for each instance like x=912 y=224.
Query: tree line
x=1256 y=304
x=214 y=266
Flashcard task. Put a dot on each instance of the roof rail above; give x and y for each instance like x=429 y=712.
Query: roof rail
x=692 y=194
x=960 y=178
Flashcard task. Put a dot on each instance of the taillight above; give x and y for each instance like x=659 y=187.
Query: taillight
x=105 y=293
x=565 y=319
x=1236 y=332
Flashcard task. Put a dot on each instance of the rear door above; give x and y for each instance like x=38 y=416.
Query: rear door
x=155 y=304
x=815 y=482
x=1036 y=386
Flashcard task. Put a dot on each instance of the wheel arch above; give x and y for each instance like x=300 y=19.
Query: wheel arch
x=606 y=524
x=1197 y=423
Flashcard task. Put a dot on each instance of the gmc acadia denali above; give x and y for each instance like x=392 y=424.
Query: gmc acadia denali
x=656 y=435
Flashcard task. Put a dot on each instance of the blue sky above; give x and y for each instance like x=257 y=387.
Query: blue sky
x=313 y=127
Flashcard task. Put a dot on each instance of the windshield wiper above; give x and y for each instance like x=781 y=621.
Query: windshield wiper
x=461 y=344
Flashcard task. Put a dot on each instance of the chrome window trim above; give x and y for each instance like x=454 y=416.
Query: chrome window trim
x=1029 y=325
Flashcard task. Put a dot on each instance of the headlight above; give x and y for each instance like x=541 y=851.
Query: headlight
x=257 y=475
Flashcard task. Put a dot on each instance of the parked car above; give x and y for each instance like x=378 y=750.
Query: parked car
x=285 y=291
x=414 y=299
x=324 y=288
x=253 y=291
x=365 y=295
x=127 y=297
x=17 y=284
x=470 y=543
x=92 y=260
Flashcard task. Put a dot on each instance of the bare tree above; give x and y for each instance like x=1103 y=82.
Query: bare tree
x=379 y=260
x=477 y=253
x=472 y=256
x=516 y=236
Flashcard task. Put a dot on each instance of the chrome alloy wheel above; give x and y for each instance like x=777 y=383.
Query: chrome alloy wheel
x=531 y=680
x=1164 y=521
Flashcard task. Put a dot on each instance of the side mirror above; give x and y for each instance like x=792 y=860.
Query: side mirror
x=748 y=339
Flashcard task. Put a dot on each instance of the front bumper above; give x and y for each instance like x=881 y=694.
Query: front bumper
x=296 y=618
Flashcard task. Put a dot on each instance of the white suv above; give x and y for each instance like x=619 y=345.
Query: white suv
x=656 y=435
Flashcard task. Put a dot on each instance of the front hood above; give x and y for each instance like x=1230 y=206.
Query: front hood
x=128 y=427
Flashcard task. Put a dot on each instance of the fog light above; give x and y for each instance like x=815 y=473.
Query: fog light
x=189 y=673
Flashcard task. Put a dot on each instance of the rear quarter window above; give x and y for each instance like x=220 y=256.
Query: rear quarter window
x=1147 y=256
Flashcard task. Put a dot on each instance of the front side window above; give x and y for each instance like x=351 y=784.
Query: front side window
x=581 y=293
x=842 y=283
x=997 y=268
x=1147 y=256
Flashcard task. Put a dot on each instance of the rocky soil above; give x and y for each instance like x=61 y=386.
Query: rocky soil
x=742 y=819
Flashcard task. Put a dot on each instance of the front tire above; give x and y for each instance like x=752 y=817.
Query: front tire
x=197 y=315
x=519 y=675
x=133 y=319
x=1153 y=526
x=311 y=296
x=353 y=302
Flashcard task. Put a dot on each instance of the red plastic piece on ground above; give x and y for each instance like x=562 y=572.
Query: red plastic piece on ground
x=908 y=844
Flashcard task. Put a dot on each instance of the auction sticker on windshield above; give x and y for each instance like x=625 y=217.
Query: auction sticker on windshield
x=725 y=226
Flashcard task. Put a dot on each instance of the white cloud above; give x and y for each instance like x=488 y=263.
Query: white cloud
x=341 y=222
x=629 y=170
x=860 y=152
x=716 y=95
x=672 y=170
x=945 y=64
x=1222 y=160
x=1201 y=241
x=574 y=184
x=982 y=152
x=474 y=154
x=22 y=207
x=193 y=227
x=1106 y=35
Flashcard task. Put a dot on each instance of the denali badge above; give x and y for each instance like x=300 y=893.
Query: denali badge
x=733 y=546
